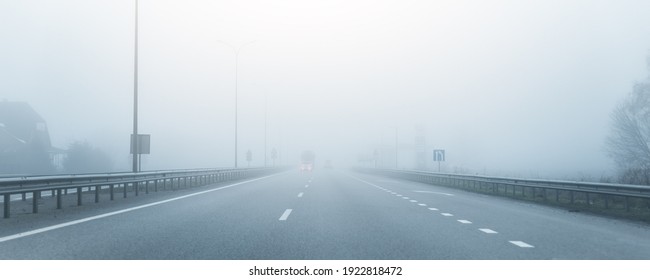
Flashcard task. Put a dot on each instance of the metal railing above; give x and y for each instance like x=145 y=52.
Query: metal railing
x=592 y=194
x=59 y=186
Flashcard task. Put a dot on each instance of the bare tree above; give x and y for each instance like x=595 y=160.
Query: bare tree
x=629 y=141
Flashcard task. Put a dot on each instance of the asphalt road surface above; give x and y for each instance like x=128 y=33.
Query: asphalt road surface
x=325 y=214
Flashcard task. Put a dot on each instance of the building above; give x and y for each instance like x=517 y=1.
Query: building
x=25 y=146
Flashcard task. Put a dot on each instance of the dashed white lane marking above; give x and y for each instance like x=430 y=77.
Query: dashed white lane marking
x=67 y=224
x=285 y=215
x=413 y=200
x=464 y=222
x=398 y=195
x=405 y=197
x=522 y=244
x=422 y=204
x=433 y=209
x=306 y=186
x=447 y=194
x=300 y=194
x=487 y=230
x=446 y=214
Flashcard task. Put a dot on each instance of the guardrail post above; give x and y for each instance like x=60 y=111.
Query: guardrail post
x=557 y=195
x=35 y=202
x=59 y=199
x=571 y=196
x=155 y=185
x=97 y=188
x=627 y=204
x=7 y=200
x=146 y=187
x=124 y=189
x=136 y=185
x=112 y=191
x=79 y=196
x=24 y=196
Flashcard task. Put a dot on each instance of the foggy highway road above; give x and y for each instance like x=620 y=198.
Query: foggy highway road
x=325 y=214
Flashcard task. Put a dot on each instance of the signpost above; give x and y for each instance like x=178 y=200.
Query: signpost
x=439 y=156
x=142 y=145
x=249 y=157
x=274 y=155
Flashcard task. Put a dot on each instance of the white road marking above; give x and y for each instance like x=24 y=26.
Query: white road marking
x=285 y=215
x=447 y=194
x=522 y=244
x=306 y=186
x=422 y=204
x=67 y=224
x=487 y=230
x=398 y=195
x=464 y=222
x=405 y=197
x=446 y=214
x=300 y=194
x=413 y=200
x=433 y=209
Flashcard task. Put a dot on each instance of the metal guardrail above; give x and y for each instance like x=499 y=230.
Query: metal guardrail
x=588 y=192
x=59 y=185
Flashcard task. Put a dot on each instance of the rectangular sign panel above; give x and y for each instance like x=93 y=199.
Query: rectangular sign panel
x=438 y=155
x=144 y=141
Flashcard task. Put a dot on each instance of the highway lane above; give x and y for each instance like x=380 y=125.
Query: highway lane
x=329 y=214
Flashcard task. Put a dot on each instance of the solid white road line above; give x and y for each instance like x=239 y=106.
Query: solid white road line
x=300 y=194
x=433 y=209
x=67 y=224
x=446 y=214
x=464 y=222
x=487 y=230
x=522 y=244
x=285 y=215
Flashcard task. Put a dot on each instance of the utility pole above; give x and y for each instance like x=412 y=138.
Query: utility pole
x=134 y=139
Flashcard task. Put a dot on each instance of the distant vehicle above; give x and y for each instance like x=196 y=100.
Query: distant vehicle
x=307 y=161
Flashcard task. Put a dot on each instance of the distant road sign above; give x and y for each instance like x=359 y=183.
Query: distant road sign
x=143 y=144
x=438 y=155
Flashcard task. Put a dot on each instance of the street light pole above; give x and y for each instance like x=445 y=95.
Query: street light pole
x=236 y=50
x=134 y=140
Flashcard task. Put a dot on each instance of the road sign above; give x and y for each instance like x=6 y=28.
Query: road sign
x=144 y=143
x=438 y=155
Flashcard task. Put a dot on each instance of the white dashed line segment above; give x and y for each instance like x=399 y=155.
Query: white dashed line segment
x=464 y=222
x=522 y=244
x=422 y=204
x=487 y=230
x=446 y=214
x=300 y=194
x=433 y=209
x=285 y=215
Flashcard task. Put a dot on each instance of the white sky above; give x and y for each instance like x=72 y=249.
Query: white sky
x=506 y=87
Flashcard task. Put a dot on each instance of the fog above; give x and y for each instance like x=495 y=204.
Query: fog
x=514 y=88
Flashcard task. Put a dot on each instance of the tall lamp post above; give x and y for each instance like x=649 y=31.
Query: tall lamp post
x=236 y=50
x=134 y=142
